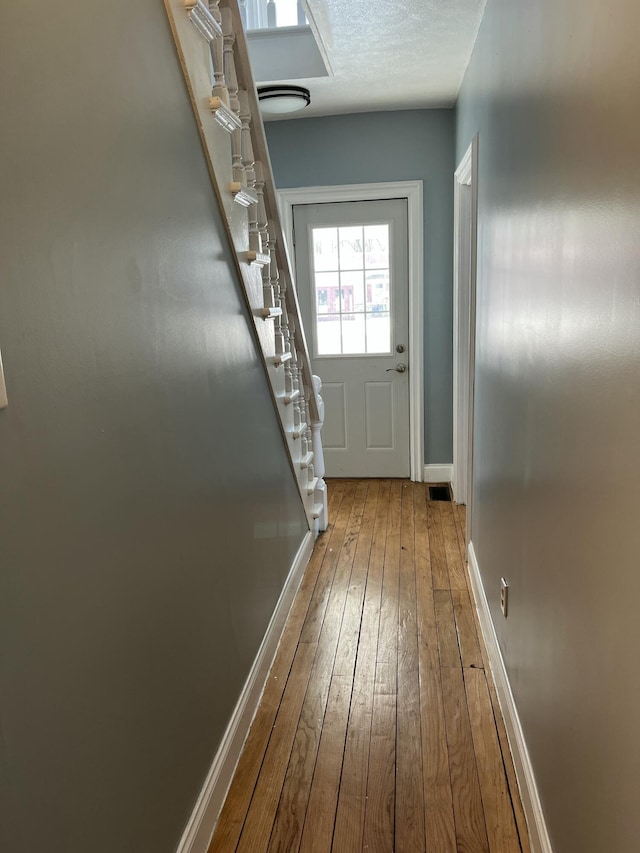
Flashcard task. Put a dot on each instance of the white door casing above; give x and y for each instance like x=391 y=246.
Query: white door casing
x=351 y=269
x=464 y=325
x=412 y=192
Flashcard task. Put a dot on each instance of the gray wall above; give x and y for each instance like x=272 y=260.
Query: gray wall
x=552 y=89
x=396 y=146
x=148 y=514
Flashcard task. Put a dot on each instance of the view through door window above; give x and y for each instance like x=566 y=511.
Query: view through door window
x=351 y=287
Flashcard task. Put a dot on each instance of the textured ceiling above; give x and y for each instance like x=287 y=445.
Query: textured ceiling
x=391 y=54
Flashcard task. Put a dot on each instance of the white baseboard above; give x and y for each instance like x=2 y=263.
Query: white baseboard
x=438 y=473
x=539 y=836
x=197 y=835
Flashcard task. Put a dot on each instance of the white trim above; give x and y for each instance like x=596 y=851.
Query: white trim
x=464 y=172
x=4 y=402
x=538 y=833
x=437 y=473
x=464 y=286
x=197 y=834
x=412 y=191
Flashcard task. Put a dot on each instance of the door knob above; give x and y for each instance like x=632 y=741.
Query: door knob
x=399 y=368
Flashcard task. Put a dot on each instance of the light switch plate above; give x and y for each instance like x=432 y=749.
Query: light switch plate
x=3 y=388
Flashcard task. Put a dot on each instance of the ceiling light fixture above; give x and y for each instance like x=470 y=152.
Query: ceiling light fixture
x=277 y=100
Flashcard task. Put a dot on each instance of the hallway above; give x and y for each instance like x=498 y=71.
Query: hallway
x=378 y=729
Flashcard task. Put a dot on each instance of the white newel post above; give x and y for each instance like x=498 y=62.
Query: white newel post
x=320 y=495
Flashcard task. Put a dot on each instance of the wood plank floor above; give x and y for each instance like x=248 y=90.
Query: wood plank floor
x=379 y=728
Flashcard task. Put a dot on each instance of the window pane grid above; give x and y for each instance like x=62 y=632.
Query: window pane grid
x=351 y=269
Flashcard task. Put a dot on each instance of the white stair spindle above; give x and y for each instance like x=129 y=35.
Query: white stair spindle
x=296 y=379
x=274 y=284
x=296 y=373
x=262 y=219
x=273 y=265
x=303 y=402
x=297 y=414
x=286 y=336
x=268 y=295
x=248 y=160
x=282 y=332
x=232 y=88
x=256 y=255
x=273 y=261
x=229 y=63
x=289 y=383
x=219 y=100
x=219 y=89
x=285 y=327
x=306 y=406
x=238 y=187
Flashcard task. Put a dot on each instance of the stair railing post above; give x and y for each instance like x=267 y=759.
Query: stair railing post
x=231 y=80
x=219 y=88
x=268 y=295
x=274 y=283
x=229 y=63
x=261 y=209
x=248 y=161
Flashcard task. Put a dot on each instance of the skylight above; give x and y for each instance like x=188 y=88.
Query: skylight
x=272 y=14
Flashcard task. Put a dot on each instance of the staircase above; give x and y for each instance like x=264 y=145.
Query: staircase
x=213 y=52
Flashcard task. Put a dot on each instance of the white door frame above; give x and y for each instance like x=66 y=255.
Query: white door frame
x=465 y=225
x=412 y=192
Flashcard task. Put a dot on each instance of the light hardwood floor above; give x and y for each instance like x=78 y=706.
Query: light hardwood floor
x=379 y=728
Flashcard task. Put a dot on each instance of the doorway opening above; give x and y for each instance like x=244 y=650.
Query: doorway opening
x=352 y=285
x=381 y=389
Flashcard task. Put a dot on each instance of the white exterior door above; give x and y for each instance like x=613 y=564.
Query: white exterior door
x=352 y=282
